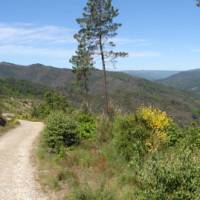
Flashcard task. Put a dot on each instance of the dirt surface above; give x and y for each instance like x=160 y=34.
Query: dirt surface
x=17 y=180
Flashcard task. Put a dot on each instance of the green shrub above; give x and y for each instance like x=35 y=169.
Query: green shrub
x=149 y=131
x=171 y=177
x=61 y=131
x=192 y=137
x=40 y=111
x=130 y=137
x=175 y=134
x=86 y=125
x=52 y=102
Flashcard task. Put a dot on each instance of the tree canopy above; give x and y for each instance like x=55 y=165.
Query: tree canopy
x=98 y=28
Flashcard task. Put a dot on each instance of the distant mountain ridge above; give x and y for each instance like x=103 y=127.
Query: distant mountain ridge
x=187 y=80
x=126 y=92
x=151 y=75
x=37 y=73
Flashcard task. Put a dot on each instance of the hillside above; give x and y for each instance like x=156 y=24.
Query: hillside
x=21 y=88
x=37 y=73
x=17 y=96
x=188 y=80
x=125 y=91
x=151 y=75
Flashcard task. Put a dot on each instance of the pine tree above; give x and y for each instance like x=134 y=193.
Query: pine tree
x=82 y=64
x=98 y=26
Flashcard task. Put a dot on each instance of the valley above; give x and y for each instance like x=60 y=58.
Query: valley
x=79 y=121
x=126 y=92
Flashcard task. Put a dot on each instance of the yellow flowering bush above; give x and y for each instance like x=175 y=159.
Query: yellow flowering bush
x=148 y=131
x=154 y=118
x=158 y=122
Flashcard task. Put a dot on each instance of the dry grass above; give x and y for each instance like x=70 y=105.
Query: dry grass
x=85 y=168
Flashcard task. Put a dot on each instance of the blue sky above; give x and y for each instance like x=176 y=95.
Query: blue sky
x=157 y=34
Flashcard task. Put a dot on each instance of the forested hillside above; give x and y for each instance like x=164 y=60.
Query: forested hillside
x=187 y=80
x=151 y=75
x=21 y=88
x=126 y=92
x=18 y=96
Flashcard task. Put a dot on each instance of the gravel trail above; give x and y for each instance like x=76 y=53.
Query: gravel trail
x=17 y=180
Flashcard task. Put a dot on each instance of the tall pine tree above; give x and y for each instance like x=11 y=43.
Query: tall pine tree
x=98 y=26
x=82 y=63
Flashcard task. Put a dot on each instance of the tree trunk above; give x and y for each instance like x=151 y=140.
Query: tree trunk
x=86 y=91
x=85 y=82
x=104 y=76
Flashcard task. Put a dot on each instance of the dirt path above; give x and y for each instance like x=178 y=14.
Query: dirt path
x=16 y=172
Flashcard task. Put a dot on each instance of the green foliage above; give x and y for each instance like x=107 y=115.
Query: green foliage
x=61 y=131
x=122 y=94
x=86 y=125
x=52 y=102
x=175 y=134
x=186 y=81
x=21 y=88
x=118 y=164
x=170 y=177
x=192 y=137
x=130 y=137
x=97 y=27
x=149 y=131
x=97 y=23
x=82 y=63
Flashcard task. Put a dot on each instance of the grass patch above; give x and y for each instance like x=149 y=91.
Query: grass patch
x=85 y=172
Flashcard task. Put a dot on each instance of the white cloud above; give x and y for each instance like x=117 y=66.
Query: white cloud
x=20 y=50
x=27 y=34
x=50 y=44
x=26 y=41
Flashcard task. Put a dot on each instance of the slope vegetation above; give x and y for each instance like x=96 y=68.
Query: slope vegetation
x=151 y=75
x=188 y=80
x=126 y=92
x=17 y=96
